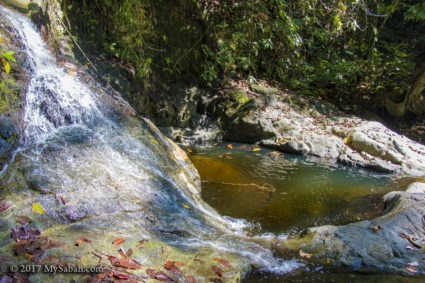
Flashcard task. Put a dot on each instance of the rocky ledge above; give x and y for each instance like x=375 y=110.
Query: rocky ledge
x=290 y=123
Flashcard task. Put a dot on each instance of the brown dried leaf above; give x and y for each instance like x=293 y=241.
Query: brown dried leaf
x=124 y=262
x=217 y=270
x=374 y=228
x=4 y=205
x=216 y=280
x=229 y=146
x=118 y=241
x=22 y=233
x=190 y=279
x=78 y=242
x=411 y=269
x=129 y=252
x=306 y=255
x=222 y=261
x=411 y=239
x=173 y=267
x=23 y=220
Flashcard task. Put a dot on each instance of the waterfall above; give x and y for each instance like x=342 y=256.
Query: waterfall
x=117 y=172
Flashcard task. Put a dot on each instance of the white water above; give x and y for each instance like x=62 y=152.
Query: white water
x=106 y=167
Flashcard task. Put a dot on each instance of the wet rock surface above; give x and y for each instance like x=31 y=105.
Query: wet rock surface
x=391 y=243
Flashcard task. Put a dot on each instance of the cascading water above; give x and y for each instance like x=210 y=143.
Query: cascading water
x=117 y=173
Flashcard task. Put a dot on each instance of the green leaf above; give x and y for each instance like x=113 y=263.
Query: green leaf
x=9 y=55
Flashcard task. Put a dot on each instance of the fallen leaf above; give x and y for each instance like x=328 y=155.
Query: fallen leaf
x=4 y=205
x=198 y=260
x=411 y=239
x=190 y=279
x=409 y=248
x=118 y=241
x=374 y=228
x=411 y=269
x=328 y=260
x=23 y=234
x=222 y=261
x=172 y=266
x=78 y=242
x=120 y=276
x=229 y=146
x=84 y=239
x=63 y=201
x=306 y=255
x=128 y=263
x=189 y=150
x=129 y=252
x=216 y=280
x=23 y=220
x=414 y=264
x=154 y=141
x=160 y=275
x=256 y=149
x=186 y=205
x=217 y=270
x=38 y=208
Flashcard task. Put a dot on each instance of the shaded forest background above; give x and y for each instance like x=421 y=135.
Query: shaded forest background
x=355 y=53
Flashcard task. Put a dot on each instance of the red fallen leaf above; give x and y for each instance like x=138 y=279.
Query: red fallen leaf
x=151 y=272
x=23 y=220
x=172 y=266
x=198 y=260
x=222 y=261
x=124 y=262
x=411 y=269
x=118 y=241
x=63 y=201
x=160 y=275
x=216 y=280
x=190 y=279
x=4 y=205
x=84 y=239
x=124 y=253
x=120 y=276
x=217 y=270
x=143 y=241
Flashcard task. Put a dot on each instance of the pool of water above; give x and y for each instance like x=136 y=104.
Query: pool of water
x=281 y=193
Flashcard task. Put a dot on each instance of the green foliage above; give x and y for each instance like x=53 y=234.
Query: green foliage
x=322 y=47
x=7 y=57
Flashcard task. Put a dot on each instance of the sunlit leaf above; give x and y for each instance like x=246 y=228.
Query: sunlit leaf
x=186 y=205
x=38 y=208
x=6 y=66
x=256 y=149
x=229 y=146
x=154 y=141
x=118 y=241
x=306 y=255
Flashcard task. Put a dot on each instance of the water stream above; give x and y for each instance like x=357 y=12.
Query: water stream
x=120 y=175
x=93 y=166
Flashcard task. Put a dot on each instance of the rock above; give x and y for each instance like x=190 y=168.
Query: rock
x=380 y=244
x=416 y=188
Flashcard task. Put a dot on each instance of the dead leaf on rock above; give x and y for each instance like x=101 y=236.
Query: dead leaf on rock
x=217 y=270
x=4 y=205
x=118 y=241
x=222 y=261
x=411 y=239
x=81 y=240
x=22 y=233
x=198 y=260
x=374 y=228
x=124 y=262
x=23 y=220
x=411 y=269
x=306 y=255
x=229 y=146
x=173 y=266
x=160 y=275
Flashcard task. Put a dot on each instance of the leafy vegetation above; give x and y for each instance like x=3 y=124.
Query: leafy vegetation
x=326 y=48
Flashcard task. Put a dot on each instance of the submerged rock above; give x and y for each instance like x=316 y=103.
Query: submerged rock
x=388 y=243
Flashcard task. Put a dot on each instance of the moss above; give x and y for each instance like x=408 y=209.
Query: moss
x=263 y=89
